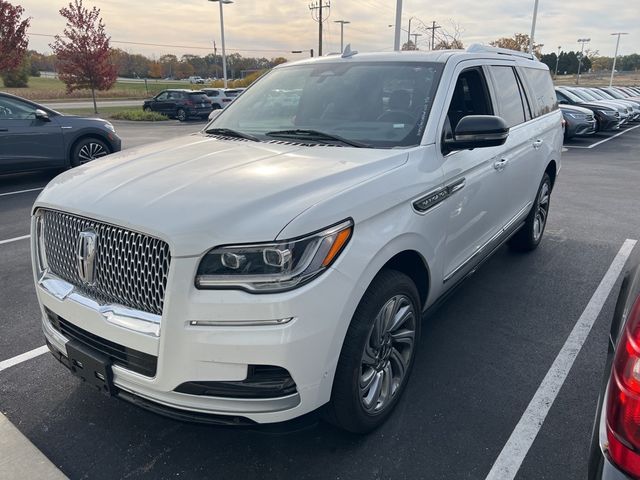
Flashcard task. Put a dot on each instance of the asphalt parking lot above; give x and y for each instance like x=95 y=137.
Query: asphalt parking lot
x=483 y=355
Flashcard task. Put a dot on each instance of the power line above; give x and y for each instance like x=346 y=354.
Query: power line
x=190 y=47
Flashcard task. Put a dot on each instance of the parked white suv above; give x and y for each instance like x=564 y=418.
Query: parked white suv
x=194 y=80
x=281 y=259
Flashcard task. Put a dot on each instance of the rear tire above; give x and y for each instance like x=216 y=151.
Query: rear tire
x=530 y=235
x=377 y=354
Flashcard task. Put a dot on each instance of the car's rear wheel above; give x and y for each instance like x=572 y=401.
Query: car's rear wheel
x=529 y=236
x=87 y=150
x=377 y=354
x=181 y=115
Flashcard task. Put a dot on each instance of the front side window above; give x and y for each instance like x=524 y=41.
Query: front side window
x=162 y=96
x=470 y=97
x=378 y=104
x=508 y=95
x=11 y=109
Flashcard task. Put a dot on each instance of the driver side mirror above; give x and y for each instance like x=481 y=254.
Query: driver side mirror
x=42 y=116
x=478 y=131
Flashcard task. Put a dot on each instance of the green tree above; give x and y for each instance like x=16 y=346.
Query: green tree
x=17 y=77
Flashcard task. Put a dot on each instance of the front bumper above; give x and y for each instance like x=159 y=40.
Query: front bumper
x=307 y=345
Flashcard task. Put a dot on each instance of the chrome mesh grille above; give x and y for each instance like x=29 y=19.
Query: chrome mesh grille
x=130 y=268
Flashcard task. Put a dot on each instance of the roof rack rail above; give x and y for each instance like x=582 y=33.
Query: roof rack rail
x=479 y=48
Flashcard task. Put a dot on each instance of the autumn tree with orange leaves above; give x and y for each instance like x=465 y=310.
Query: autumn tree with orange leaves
x=13 y=36
x=83 y=52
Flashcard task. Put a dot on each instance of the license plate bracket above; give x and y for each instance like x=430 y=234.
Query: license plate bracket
x=94 y=368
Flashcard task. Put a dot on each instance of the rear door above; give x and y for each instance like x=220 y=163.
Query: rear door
x=520 y=157
x=26 y=142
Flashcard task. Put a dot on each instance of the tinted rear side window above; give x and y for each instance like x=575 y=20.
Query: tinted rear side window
x=540 y=82
x=508 y=95
x=198 y=97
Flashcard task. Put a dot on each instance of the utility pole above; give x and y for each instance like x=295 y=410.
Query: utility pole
x=317 y=14
x=615 y=57
x=396 y=36
x=415 y=39
x=558 y=61
x=582 y=41
x=433 y=29
x=342 y=24
x=533 y=26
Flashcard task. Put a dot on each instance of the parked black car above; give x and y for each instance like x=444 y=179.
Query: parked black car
x=180 y=104
x=615 y=442
x=579 y=121
x=608 y=118
x=33 y=137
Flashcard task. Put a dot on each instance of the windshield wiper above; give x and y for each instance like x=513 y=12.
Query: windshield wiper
x=315 y=135
x=228 y=132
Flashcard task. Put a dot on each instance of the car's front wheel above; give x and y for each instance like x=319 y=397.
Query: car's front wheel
x=529 y=236
x=181 y=115
x=377 y=354
x=87 y=150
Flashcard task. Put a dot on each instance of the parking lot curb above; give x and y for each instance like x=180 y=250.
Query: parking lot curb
x=20 y=458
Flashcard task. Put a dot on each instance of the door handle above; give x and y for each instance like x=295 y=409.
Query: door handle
x=4 y=129
x=501 y=164
x=537 y=144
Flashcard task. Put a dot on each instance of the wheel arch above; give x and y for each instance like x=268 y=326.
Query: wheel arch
x=412 y=264
x=552 y=171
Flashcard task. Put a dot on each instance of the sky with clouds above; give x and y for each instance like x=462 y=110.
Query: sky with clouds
x=275 y=28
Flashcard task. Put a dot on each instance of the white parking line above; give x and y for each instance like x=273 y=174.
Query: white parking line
x=606 y=139
x=15 y=239
x=23 y=357
x=21 y=191
x=515 y=450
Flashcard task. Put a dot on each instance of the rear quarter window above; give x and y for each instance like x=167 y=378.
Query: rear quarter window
x=541 y=85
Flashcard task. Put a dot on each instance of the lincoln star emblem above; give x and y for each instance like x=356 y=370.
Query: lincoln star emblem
x=86 y=256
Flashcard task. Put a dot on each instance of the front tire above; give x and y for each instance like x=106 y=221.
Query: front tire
x=377 y=354
x=529 y=236
x=181 y=115
x=87 y=150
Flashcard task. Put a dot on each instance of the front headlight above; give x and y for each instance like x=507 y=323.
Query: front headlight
x=274 y=266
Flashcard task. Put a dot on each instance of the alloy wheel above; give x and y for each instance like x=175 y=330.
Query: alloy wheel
x=542 y=211
x=91 y=151
x=387 y=354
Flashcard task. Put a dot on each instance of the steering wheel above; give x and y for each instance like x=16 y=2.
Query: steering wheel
x=397 y=116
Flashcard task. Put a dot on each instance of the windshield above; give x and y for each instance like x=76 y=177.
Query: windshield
x=378 y=104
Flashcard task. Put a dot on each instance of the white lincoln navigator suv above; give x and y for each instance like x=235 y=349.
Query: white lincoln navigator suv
x=281 y=259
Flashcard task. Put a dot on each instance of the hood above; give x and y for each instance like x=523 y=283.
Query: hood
x=75 y=120
x=197 y=192
x=599 y=106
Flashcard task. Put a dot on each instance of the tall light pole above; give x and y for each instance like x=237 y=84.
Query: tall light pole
x=615 y=57
x=558 y=60
x=396 y=36
x=224 y=55
x=342 y=24
x=582 y=41
x=533 y=26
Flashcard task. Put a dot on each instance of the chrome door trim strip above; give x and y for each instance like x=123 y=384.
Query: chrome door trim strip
x=426 y=202
x=482 y=247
